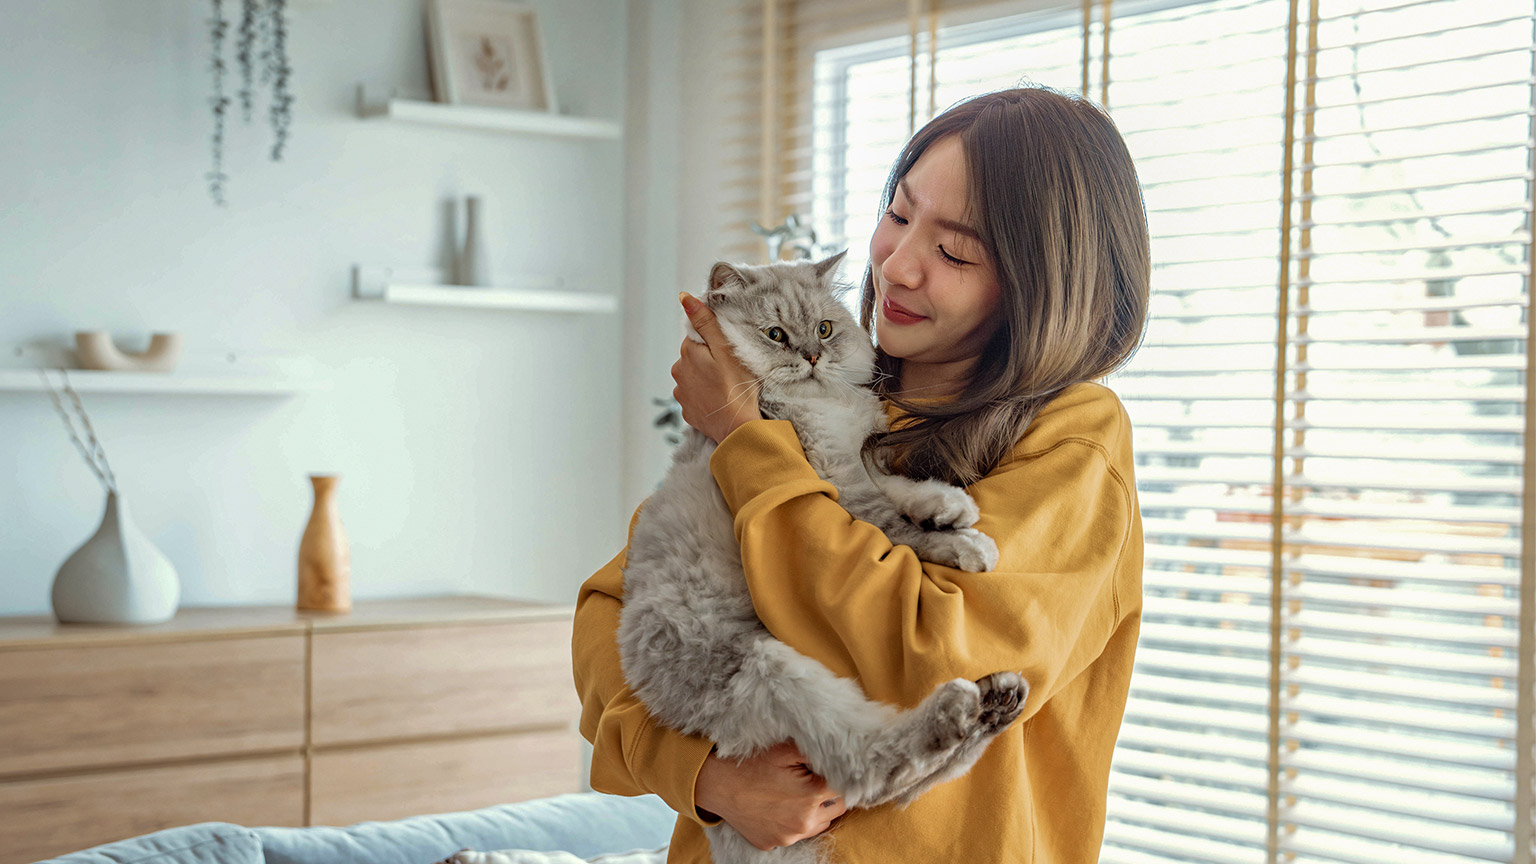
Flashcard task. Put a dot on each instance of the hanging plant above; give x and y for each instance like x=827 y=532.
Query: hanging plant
x=263 y=23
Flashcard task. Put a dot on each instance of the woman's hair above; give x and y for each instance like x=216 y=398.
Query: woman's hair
x=1056 y=202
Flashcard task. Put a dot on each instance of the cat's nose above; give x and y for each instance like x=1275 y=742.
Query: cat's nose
x=813 y=358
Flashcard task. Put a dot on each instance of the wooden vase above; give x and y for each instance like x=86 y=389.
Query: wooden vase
x=325 y=562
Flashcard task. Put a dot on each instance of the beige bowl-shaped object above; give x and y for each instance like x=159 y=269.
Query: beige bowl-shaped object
x=95 y=350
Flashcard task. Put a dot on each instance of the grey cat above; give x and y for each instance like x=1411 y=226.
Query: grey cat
x=692 y=648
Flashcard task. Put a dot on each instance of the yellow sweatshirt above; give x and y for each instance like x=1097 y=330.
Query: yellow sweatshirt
x=1063 y=608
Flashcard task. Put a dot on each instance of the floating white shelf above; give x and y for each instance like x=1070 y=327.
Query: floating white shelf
x=228 y=374
x=423 y=286
x=196 y=384
x=496 y=298
x=493 y=119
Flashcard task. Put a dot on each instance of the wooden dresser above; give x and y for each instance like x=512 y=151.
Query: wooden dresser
x=267 y=716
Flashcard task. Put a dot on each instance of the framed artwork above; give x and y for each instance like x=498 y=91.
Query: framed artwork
x=488 y=52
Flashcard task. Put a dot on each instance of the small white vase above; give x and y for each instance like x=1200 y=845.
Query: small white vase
x=474 y=265
x=117 y=576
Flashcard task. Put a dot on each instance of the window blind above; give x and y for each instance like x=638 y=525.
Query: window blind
x=1403 y=412
x=1330 y=406
x=1198 y=93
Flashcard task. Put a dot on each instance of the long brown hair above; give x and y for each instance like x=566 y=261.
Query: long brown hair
x=1056 y=201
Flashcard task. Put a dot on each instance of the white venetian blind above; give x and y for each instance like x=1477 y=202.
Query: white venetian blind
x=1197 y=91
x=1330 y=407
x=1403 y=422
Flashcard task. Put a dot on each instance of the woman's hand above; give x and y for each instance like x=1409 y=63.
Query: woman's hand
x=772 y=799
x=715 y=392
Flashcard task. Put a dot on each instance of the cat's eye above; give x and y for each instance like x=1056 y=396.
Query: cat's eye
x=824 y=330
x=777 y=334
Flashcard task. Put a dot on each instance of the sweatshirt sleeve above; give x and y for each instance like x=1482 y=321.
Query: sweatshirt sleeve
x=837 y=590
x=631 y=753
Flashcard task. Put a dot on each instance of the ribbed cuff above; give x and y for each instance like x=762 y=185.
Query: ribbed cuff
x=673 y=763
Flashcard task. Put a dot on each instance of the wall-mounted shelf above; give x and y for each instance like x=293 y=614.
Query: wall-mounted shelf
x=423 y=287
x=490 y=119
x=88 y=381
x=234 y=376
x=496 y=298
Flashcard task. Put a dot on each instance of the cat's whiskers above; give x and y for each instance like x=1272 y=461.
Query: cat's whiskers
x=732 y=400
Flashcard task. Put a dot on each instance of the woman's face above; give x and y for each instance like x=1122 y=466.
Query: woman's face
x=936 y=288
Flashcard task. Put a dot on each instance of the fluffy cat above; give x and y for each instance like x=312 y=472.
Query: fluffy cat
x=691 y=646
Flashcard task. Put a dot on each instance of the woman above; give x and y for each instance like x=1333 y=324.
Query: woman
x=1010 y=268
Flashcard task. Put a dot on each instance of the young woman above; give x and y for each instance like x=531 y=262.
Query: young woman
x=1010 y=269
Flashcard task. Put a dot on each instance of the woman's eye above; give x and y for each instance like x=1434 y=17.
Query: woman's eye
x=777 y=335
x=891 y=214
x=824 y=330
x=952 y=259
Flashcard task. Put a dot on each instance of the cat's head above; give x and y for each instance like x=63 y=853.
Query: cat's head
x=787 y=325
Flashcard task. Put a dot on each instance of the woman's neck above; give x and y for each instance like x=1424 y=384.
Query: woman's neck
x=933 y=380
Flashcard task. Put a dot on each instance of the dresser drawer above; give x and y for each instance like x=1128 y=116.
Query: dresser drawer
x=400 y=780
x=45 y=818
x=88 y=705
x=459 y=678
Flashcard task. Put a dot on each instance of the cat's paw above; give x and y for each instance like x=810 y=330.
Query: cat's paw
x=940 y=507
x=1002 y=699
x=978 y=554
x=966 y=549
x=952 y=714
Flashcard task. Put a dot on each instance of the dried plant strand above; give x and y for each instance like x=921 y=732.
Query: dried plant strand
x=220 y=102
x=281 y=110
x=90 y=431
x=103 y=471
x=249 y=12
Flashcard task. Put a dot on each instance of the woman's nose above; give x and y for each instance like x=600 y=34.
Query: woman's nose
x=901 y=267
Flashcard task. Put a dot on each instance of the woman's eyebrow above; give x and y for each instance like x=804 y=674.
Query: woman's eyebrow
x=950 y=224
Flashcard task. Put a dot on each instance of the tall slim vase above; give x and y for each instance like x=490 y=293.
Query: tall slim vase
x=325 y=560
x=117 y=576
x=474 y=264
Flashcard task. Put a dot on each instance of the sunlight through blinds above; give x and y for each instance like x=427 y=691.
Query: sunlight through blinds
x=1198 y=94
x=1396 y=526
x=1404 y=416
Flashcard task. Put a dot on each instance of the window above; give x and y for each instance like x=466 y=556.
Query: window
x=1330 y=407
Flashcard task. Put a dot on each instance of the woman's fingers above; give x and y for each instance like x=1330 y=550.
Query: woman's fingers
x=715 y=392
x=702 y=318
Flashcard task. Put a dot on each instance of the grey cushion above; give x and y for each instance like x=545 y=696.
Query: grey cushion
x=585 y=824
x=204 y=843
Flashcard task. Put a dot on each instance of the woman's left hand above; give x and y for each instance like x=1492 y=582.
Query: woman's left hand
x=715 y=392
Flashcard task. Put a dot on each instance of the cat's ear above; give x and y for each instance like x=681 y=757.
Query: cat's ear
x=827 y=265
x=725 y=279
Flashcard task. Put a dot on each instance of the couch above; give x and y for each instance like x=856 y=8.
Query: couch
x=585 y=824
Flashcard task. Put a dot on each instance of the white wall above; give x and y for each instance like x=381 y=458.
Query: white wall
x=682 y=103
x=480 y=451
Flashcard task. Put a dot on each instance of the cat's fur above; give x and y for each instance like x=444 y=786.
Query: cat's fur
x=691 y=646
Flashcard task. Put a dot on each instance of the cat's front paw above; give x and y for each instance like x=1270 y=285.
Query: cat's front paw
x=966 y=549
x=1002 y=699
x=978 y=554
x=938 y=506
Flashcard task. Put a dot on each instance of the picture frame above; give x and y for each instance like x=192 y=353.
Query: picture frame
x=488 y=53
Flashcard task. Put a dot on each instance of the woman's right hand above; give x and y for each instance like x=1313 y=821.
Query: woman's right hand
x=772 y=799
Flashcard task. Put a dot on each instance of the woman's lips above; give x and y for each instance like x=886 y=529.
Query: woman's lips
x=897 y=315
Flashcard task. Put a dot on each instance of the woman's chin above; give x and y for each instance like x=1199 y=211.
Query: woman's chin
x=890 y=339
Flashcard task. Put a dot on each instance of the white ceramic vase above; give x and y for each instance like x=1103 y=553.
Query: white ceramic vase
x=474 y=263
x=117 y=576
